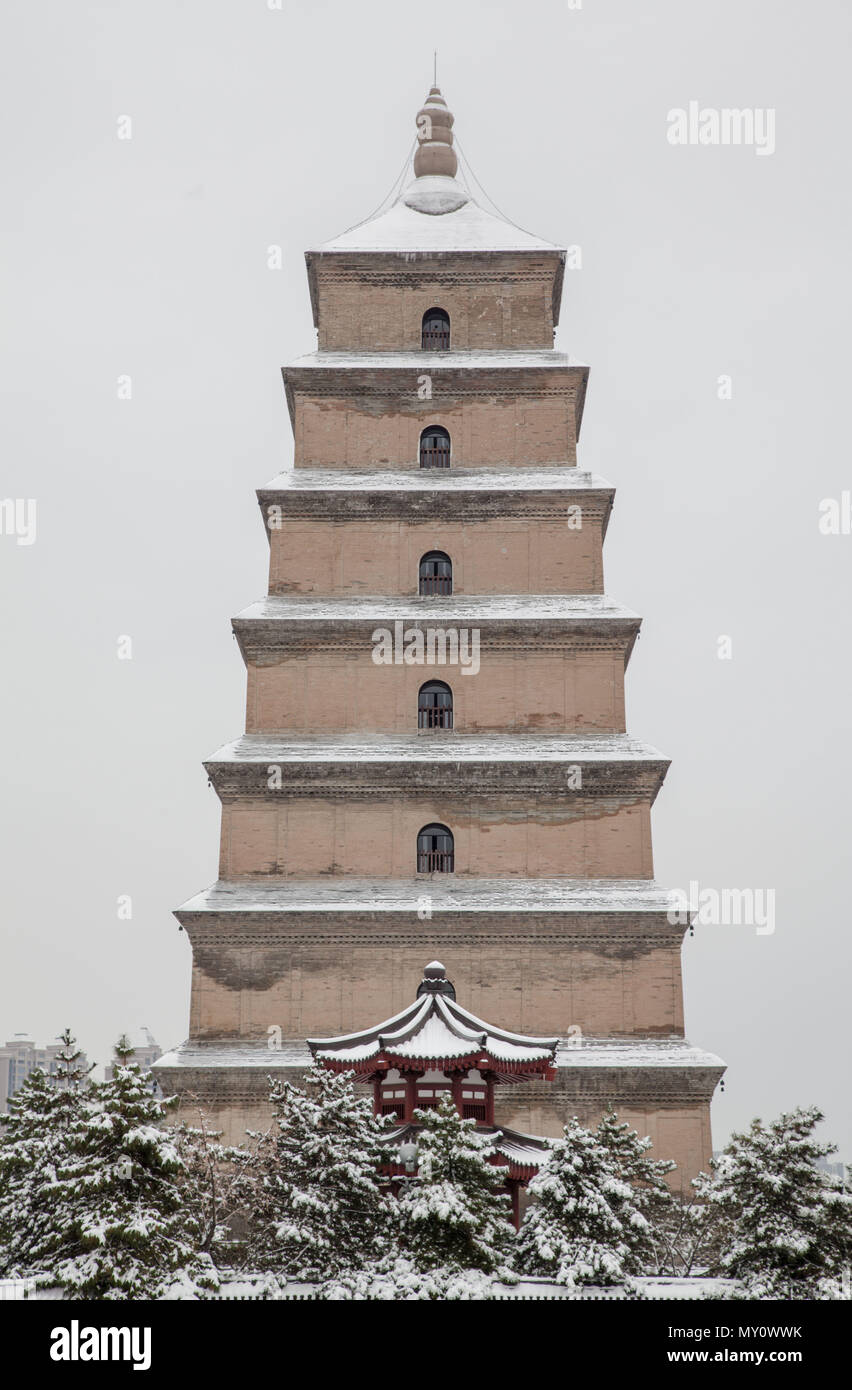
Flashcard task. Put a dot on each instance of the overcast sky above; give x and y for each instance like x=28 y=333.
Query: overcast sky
x=253 y=127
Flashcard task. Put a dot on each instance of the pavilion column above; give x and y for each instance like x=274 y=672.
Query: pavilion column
x=410 y=1094
x=377 y=1095
x=456 y=1078
x=489 y=1098
x=515 y=1194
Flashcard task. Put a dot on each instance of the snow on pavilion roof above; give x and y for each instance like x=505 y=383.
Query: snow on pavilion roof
x=435 y=1030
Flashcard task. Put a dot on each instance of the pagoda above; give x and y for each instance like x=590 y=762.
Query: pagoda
x=433 y=1048
x=435 y=759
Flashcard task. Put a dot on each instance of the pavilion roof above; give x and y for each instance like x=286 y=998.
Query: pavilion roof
x=524 y=1153
x=436 y=1031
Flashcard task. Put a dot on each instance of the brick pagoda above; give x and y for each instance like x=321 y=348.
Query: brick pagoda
x=435 y=760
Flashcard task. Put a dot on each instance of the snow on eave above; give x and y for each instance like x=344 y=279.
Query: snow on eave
x=497 y=359
x=402 y=230
x=453 y=608
x=564 y=478
x=603 y=1054
x=628 y=896
x=645 y=1053
x=450 y=747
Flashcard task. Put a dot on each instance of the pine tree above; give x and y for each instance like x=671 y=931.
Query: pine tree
x=318 y=1206
x=29 y=1151
x=786 y=1224
x=34 y=1142
x=123 y=1226
x=454 y=1216
x=70 y=1074
x=586 y=1224
x=647 y=1178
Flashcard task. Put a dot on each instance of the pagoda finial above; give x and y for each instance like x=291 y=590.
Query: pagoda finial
x=435 y=981
x=435 y=153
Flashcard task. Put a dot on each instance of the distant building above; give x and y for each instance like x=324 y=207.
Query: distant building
x=145 y=1054
x=19 y=1057
x=836 y=1169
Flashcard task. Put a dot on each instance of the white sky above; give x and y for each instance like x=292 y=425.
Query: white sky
x=148 y=257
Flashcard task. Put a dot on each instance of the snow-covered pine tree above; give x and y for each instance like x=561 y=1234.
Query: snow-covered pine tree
x=71 y=1075
x=318 y=1206
x=454 y=1216
x=647 y=1177
x=786 y=1224
x=34 y=1138
x=29 y=1141
x=124 y=1230
x=586 y=1224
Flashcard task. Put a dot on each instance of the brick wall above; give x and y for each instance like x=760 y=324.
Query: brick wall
x=523 y=556
x=315 y=990
x=493 y=301
x=594 y=837
x=342 y=432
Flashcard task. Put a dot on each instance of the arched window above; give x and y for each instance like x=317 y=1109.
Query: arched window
x=435 y=334
x=436 y=573
x=435 y=706
x=435 y=850
x=435 y=447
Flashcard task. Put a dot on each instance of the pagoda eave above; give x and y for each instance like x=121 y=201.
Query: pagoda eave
x=633 y=914
x=416 y=766
x=620 y=1072
x=331 y=496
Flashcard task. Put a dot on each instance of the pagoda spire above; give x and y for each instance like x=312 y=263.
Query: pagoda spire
x=435 y=153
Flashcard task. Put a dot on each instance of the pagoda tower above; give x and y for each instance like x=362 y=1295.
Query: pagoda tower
x=435 y=760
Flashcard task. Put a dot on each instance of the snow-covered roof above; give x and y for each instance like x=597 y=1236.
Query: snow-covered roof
x=446 y=746
x=442 y=610
x=436 y=1030
x=605 y=1053
x=253 y=1055
x=347 y=894
x=562 y=479
x=498 y=359
x=525 y=1152
x=602 y=1054
x=418 y=222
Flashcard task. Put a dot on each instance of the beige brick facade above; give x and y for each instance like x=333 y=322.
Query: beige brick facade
x=507 y=304
x=534 y=429
x=523 y=556
x=513 y=691
x=376 y=835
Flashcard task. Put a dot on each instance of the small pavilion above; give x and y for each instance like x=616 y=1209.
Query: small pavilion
x=435 y=1047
